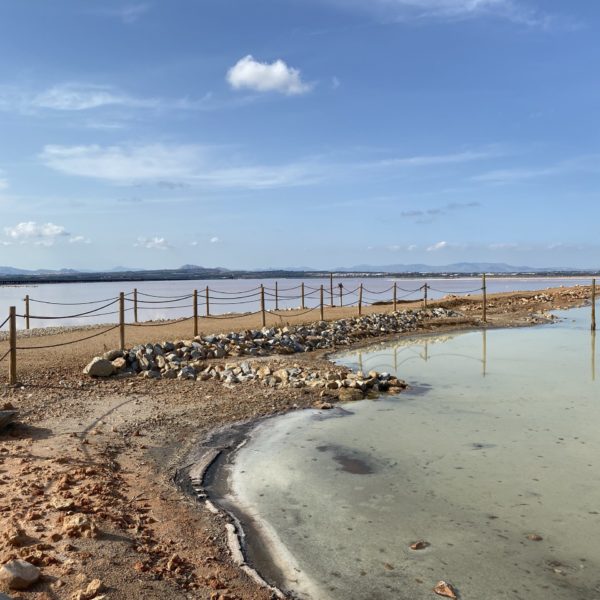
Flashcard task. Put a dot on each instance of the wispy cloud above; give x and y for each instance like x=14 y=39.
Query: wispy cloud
x=521 y=12
x=79 y=239
x=590 y=164
x=214 y=240
x=129 y=13
x=152 y=243
x=250 y=74
x=83 y=96
x=3 y=181
x=433 y=160
x=176 y=164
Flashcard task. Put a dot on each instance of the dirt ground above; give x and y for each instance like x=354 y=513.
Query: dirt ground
x=86 y=488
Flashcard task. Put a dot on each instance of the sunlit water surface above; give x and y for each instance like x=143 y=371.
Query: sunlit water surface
x=498 y=441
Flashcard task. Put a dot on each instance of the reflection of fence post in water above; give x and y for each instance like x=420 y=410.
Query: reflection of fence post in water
x=396 y=360
x=360 y=361
x=426 y=350
x=484 y=352
x=593 y=305
x=593 y=355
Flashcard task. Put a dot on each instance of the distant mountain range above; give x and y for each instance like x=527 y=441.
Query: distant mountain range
x=199 y=272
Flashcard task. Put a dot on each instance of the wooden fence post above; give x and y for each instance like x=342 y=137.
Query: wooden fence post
x=12 y=336
x=425 y=288
x=321 y=303
x=122 y=320
x=593 y=305
x=27 y=311
x=195 y=313
x=262 y=305
x=207 y=302
x=135 y=306
x=341 y=286
x=302 y=293
x=360 y=295
x=276 y=296
x=331 y=288
x=484 y=300
x=395 y=296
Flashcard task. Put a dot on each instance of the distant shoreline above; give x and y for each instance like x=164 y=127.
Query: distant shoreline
x=178 y=275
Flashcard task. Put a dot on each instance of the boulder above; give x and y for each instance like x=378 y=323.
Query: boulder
x=19 y=574
x=350 y=395
x=99 y=367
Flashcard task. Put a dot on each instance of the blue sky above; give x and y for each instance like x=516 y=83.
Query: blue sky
x=278 y=133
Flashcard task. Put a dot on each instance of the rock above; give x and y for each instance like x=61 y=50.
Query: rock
x=420 y=545
x=93 y=589
x=350 y=395
x=99 y=367
x=445 y=589
x=112 y=355
x=119 y=363
x=15 y=535
x=19 y=574
x=79 y=525
x=7 y=417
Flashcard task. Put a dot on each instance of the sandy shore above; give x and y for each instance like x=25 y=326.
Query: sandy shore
x=107 y=452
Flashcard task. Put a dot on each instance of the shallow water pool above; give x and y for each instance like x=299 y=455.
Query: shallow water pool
x=492 y=458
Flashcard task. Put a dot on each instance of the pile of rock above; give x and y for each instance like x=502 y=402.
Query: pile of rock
x=185 y=359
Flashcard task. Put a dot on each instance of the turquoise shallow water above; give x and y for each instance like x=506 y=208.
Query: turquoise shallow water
x=497 y=440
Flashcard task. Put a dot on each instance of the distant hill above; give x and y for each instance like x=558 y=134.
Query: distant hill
x=451 y=268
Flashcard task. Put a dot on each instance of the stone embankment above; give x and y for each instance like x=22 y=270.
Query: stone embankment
x=187 y=359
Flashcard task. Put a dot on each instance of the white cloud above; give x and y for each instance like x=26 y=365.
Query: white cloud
x=194 y=243
x=214 y=240
x=40 y=234
x=153 y=243
x=79 y=239
x=438 y=246
x=251 y=74
x=3 y=182
x=516 y=11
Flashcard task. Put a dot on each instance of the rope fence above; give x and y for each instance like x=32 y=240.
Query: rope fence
x=319 y=298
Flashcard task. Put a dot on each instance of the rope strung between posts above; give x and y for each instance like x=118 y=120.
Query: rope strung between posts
x=73 y=303
x=291 y=289
x=89 y=337
x=161 y=301
x=240 y=292
x=455 y=291
x=4 y=322
x=83 y=314
x=254 y=295
x=296 y=314
x=5 y=355
x=154 y=296
x=232 y=316
x=162 y=324
x=382 y=292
